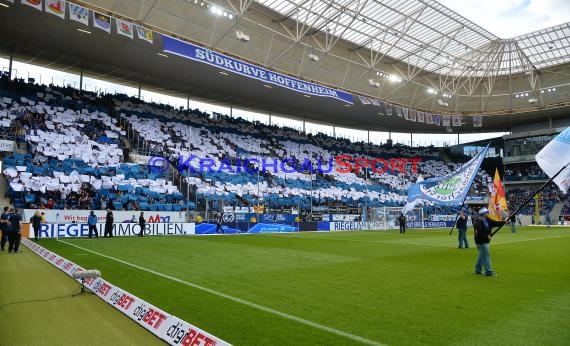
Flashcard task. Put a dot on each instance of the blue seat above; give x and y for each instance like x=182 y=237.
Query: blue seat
x=117 y=205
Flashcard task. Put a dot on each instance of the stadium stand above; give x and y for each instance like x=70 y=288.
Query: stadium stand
x=76 y=157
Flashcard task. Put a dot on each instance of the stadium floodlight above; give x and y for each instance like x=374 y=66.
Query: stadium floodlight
x=241 y=36
x=441 y=103
x=394 y=78
x=532 y=100
x=313 y=57
x=432 y=91
x=373 y=83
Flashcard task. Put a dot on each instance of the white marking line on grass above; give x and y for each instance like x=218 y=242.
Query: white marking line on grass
x=408 y=243
x=374 y=241
x=530 y=239
x=239 y=300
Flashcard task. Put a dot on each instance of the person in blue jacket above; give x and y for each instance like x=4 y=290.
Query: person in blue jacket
x=92 y=222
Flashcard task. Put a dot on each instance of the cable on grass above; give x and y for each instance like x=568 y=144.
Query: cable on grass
x=37 y=300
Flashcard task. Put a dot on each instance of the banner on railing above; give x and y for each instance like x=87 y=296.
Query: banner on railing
x=196 y=53
x=165 y=326
x=6 y=145
x=350 y=226
x=140 y=159
x=69 y=230
x=246 y=227
x=80 y=216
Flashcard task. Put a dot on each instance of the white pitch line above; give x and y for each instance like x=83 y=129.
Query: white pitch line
x=373 y=241
x=239 y=300
x=408 y=243
x=530 y=239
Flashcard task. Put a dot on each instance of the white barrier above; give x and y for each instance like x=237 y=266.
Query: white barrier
x=67 y=230
x=165 y=326
x=80 y=216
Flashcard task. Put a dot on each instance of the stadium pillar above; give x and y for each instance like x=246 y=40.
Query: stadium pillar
x=304 y=127
x=139 y=91
x=458 y=139
x=368 y=137
x=334 y=131
x=269 y=119
x=188 y=103
x=10 y=67
x=81 y=82
x=411 y=139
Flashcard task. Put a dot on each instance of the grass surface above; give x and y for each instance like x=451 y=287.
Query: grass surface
x=36 y=308
x=347 y=287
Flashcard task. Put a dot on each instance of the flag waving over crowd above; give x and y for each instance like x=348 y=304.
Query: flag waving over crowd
x=555 y=156
x=450 y=189
x=498 y=209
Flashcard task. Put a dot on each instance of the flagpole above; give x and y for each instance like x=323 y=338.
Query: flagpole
x=457 y=216
x=531 y=197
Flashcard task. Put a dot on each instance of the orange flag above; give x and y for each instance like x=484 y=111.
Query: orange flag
x=498 y=209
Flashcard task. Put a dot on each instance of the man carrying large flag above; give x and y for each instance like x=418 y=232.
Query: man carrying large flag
x=554 y=159
x=498 y=209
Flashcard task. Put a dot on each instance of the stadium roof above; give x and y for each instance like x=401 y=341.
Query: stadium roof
x=279 y=42
x=428 y=35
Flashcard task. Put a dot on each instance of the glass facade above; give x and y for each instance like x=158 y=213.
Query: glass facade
x=526 y=146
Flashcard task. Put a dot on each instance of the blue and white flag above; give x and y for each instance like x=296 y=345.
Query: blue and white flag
x=554 y=156
x=450 y=189
x=412 y=204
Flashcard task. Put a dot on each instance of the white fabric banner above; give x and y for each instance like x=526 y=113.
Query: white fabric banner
x=554 y=156
x=79 y=14
x=56 y=7
x=7 y=145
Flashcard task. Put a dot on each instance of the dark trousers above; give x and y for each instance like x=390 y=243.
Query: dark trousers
x=36 y=233
x=108 y=230
x=219 y=228
x=14 y=241
x=141 y=233
x=402 y=228
x=93 y=228
x=4 y=239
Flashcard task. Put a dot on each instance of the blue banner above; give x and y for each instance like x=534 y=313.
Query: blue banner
x=450 y=189
x=246 y=227
x=196 y=53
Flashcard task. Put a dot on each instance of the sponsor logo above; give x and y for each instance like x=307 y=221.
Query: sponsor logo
x=228 y=217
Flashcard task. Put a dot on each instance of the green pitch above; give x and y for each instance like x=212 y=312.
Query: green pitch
x=347 y=288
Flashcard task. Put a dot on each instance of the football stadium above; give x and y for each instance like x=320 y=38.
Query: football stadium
x=284 y=172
